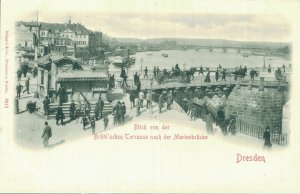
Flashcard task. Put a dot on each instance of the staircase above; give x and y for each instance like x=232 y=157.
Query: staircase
x=66 y=109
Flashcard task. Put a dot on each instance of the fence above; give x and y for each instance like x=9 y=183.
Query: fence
x=252 y=130
x=257 y=131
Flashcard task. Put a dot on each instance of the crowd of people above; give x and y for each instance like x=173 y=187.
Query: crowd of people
x=138 y=99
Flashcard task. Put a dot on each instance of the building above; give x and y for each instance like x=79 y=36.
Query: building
x=26 y=34
x=65 y=34
x=55 y=70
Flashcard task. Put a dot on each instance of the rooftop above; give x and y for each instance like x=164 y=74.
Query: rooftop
x=52 y=27
x=54 y=58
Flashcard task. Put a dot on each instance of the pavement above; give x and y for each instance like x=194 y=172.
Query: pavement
x=29 y=126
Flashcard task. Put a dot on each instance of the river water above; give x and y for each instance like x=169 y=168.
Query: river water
x=193 y=58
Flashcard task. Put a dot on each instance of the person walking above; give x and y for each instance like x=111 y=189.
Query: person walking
x=217 y=75
x=141 y=98
x=101 y=106
x=97 y=110
x=209 y=123
x=149 y=99
x=207 y=78
x=19 y=89
x=84 y=122
x=160 y=102
x=131 y=98
x=154 y=72
x=47 y=133
x=19 y=74
x=60 y=115
x=46 y=104
x=93 y=124
x=190 y=106
x=105 y=120
x=224 y=74
x=62 y=93
x=137 y=106
x=24 y=69
x=117 y=113
x=201 y=71
x=269 y=68
x=267 y=138
x=169 y=100
x=123 y=112
x=27 y=85
x=72 y=110
x=124 y=76
x=146 y=72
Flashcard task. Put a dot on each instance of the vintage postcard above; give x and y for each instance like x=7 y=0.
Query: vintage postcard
x=149 y=96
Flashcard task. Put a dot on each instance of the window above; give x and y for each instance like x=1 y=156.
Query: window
x=42 y=77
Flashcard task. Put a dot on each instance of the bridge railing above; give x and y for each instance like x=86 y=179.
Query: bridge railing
x=257 y=131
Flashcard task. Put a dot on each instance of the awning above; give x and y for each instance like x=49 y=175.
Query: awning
x=82 y=76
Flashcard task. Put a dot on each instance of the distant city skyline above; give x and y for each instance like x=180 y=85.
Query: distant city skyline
x=269 y=28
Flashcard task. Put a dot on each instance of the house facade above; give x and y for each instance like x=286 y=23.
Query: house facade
x=55 y=70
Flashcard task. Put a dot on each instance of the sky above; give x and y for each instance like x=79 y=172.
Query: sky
x=242 y=27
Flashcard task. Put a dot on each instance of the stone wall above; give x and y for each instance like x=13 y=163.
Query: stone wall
x=254 y=107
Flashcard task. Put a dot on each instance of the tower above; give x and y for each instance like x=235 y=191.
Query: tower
x=69 y=20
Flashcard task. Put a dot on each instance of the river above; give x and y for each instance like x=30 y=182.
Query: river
x=193 y=58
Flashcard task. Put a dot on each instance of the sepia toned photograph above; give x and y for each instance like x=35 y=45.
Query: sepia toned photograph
x=84 y=81
x=149 y=96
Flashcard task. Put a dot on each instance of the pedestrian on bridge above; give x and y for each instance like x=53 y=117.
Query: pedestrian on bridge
x=217 y=75
x=269 y=68
x=154 y=72
x=224 y=75
x=201 y=70
x=207 y=78
x=146 y=72
x=252 y=73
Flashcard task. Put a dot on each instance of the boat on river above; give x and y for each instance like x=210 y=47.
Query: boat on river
x=120 y=61
x=165 y=55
